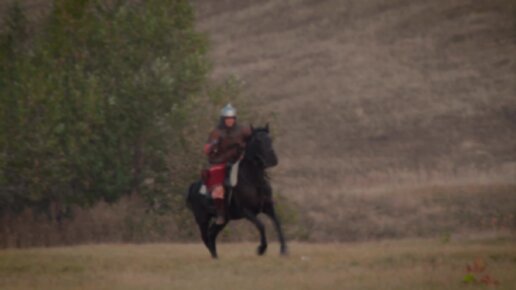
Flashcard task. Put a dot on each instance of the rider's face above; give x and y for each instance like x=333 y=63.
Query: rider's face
x=229 y=122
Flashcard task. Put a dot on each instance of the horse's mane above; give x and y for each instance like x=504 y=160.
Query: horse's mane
x=252 y=137
x=249 y=152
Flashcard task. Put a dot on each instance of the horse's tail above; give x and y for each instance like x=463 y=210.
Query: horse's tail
x=188 y=195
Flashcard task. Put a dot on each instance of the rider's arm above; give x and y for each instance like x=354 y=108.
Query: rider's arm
x=213 y=140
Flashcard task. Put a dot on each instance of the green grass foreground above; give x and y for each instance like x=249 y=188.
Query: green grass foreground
x=405 y=264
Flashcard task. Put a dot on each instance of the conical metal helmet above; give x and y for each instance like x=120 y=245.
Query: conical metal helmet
x=228 y=111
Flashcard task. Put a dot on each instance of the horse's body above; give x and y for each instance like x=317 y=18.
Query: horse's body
x=252 y=195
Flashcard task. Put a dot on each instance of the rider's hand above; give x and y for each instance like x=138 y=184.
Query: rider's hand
x=207 y=149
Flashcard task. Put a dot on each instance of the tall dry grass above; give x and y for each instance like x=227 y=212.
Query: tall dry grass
x=129 y=220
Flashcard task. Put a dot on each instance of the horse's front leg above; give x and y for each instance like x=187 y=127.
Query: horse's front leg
x=262 y=248
x=204 y=227
x=271 y=212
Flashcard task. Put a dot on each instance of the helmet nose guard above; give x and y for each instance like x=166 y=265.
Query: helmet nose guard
x=228 y=111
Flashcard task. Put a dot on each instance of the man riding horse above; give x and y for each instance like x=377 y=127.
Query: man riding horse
x=225 y=145
x=250 y=152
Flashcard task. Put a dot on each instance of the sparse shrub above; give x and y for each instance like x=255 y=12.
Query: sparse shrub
x=476 y=273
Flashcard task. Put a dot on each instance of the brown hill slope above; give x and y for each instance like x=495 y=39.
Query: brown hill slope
x=376 y=97
x=362 y=88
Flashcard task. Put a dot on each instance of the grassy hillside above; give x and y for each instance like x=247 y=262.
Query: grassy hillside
x=414 y=264
x=379 y=106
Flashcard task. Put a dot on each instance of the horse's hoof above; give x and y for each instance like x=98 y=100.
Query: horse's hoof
x=261 y=250
x=283 y=252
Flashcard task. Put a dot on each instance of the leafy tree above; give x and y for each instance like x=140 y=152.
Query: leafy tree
x=89 y=101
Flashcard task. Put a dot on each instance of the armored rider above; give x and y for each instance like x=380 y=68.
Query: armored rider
x=225 y=145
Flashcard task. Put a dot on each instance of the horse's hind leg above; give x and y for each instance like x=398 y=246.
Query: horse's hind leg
x=261 y=228
x=271 y=212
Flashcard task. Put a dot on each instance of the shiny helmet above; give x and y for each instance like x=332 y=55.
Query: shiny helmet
x=228 y=111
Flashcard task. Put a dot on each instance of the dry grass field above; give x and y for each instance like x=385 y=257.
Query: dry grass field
x=396 y=265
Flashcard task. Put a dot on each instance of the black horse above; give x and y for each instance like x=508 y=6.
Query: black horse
x=252 y=195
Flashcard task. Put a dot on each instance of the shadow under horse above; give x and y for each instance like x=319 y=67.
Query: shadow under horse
x=251 y=196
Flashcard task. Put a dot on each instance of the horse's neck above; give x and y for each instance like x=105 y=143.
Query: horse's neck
x=251 y=172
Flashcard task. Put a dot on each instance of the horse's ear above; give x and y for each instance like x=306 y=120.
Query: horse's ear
x=267 y=127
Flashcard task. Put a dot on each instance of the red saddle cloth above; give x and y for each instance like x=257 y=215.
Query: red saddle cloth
x=214 y=175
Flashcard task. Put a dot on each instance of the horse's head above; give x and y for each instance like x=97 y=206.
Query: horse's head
x=259 y=147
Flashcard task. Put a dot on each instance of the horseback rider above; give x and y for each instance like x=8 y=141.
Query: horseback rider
x=225 y=146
